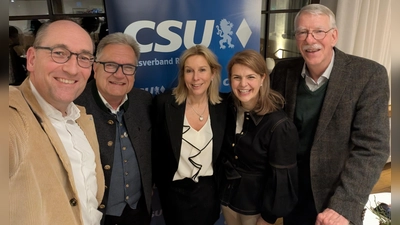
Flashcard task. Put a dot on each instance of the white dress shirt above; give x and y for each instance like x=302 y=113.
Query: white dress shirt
x=80 y=154
x=311 y=83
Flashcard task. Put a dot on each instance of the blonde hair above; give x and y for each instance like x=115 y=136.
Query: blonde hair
x=181 y=91
x=269 y=100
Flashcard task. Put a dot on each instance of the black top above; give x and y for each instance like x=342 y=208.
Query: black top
x=259 y=165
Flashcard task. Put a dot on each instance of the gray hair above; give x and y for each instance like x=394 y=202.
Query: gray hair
x=316 y=9
x=118 y=38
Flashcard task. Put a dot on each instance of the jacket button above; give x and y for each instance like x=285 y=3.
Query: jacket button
x=107 y=167
x=111 y=122
x=109 y=143
x=236 y=157
x=73 y=202
x=102 y=206
x=105 y=187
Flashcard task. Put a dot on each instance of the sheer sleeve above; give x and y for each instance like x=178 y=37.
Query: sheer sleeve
x=280 y=192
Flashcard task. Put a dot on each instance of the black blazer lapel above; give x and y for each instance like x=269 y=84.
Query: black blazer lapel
x=217 y=115
x=174 y=114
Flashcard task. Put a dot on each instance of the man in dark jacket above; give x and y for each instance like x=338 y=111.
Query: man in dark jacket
x=122 y=119
x=339 y=104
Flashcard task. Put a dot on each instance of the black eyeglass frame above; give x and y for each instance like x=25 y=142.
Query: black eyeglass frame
x=51 y=49
x=118 y=66
x=312 y=34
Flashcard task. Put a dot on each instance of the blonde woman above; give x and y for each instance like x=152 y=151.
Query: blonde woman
x=188 y=131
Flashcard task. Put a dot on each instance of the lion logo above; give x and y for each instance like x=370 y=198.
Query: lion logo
x=225 y=30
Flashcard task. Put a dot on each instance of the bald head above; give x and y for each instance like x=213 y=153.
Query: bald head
x=60 y=27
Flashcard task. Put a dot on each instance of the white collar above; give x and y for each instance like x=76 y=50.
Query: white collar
x=73 y=113
x=108 y=104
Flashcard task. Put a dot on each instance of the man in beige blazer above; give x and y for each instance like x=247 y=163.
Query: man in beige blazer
x=55 y=175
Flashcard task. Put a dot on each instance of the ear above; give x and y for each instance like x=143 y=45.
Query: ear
x=30 y=59
x=335 y=34
x=213 y=74
x=263 y=78
x=95 y=67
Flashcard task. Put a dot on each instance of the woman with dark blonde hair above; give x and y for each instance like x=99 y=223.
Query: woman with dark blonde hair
x=259 y=175
x=188 y=130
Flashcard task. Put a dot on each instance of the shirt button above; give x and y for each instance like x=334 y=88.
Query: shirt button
x=111 y=122
x=105 y=187
x=127 y=185
x=73 y=202
x=124 y=148
x=127 y=197
x=233 y=144
x=125 y=161
x=107 y=167
x=241 y=133
x=126 y=173
x=247 y=118
x=102 y=206
x=236 y=157
x=122 y=136
x=109 y=143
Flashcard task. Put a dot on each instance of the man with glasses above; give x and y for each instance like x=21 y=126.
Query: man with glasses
x=55 y=174
x=122 y=117
x=339 y=104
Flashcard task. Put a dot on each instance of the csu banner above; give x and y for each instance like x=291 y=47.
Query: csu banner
x=165 y=28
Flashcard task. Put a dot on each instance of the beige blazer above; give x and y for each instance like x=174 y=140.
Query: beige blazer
x=41 y=184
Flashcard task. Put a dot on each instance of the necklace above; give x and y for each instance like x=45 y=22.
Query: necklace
x=200 y=115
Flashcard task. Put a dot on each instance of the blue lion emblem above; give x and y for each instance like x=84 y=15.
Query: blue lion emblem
x=225 y=30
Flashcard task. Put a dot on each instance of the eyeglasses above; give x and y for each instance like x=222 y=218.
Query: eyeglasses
x=127 y=69
x=317 y=34
x=61 y=55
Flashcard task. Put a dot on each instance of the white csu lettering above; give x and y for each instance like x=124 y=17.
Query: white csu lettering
x=175 y=41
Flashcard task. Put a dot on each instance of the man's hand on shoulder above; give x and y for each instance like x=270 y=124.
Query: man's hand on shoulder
x=331 y=217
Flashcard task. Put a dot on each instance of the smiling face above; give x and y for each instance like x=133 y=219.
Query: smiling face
x=60 y=84
x=245 y=84
x=197 y=75
x=316 y=53
x=114 y=86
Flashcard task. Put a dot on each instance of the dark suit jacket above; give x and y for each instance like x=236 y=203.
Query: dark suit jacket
x=138 y=123
x=167 y=136
x=351 y=142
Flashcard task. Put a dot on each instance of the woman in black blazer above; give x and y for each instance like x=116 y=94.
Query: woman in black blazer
x=188 y=129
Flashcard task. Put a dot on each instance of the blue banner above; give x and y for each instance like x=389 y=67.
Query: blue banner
x=165 y=28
